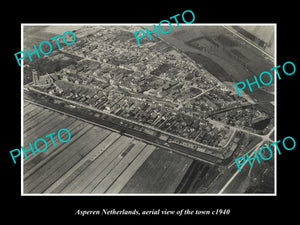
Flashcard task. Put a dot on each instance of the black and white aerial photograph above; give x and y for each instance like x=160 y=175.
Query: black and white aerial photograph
x=155 y=118
x=137 y=113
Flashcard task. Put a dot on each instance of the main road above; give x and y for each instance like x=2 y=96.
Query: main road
x=237 y=172
x=264 y=137
x=244 y=39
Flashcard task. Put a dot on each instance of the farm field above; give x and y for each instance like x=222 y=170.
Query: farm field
x=161 y=173
x=197 y=178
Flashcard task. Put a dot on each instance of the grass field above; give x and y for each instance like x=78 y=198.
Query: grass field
x=161 y=173
x=197 y=178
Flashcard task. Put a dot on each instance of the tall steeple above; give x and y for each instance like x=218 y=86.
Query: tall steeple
x=35 y=77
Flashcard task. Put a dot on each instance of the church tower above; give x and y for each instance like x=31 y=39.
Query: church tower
x=35 y=77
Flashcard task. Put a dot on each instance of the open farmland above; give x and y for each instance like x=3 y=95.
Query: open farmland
x=197 y=178
x=161 y=173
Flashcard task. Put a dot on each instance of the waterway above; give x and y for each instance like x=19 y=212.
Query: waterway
x=261 y=124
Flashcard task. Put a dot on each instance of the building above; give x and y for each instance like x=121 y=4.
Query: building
x=35 y=77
